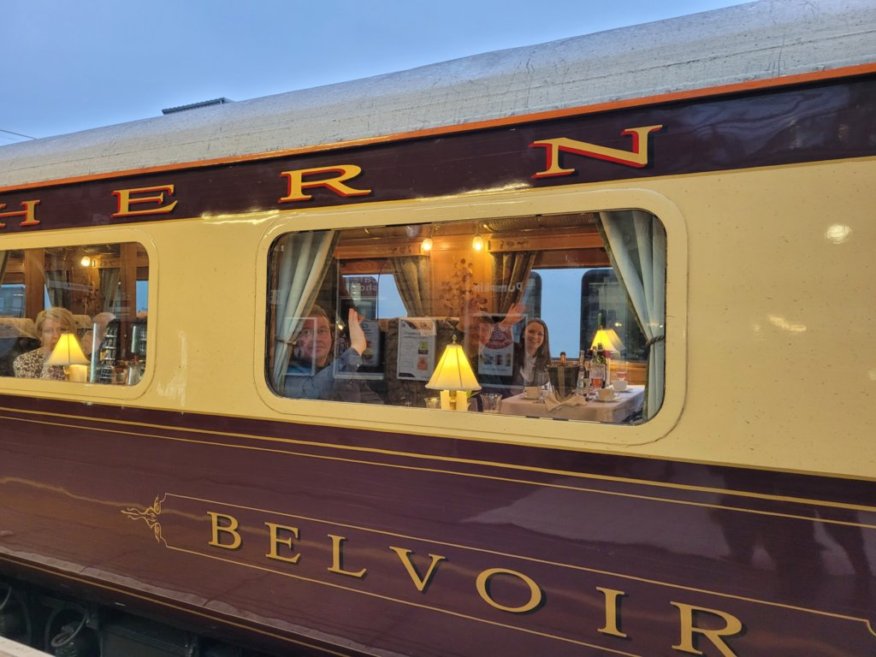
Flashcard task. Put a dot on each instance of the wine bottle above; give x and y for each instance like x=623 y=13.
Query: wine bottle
x=583 y=381
x=597 y=368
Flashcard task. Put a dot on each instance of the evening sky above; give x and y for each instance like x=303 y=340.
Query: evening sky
x=71 y=65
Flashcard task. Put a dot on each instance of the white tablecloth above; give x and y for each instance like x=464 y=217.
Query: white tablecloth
x=626 y=404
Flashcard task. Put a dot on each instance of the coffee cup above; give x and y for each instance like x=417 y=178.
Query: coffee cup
x=619 y=385
x=605 y=394
x=531 y=392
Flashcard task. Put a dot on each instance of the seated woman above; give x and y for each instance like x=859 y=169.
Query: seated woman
x=50 y=324
x=533 y=355
x=312 y=372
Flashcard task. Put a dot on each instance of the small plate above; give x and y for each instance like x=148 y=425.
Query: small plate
x=605 y=401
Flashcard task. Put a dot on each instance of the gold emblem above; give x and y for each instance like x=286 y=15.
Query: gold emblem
x=149 y=515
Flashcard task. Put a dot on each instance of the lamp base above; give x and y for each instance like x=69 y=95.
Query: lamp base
x=454 y=400
x=77 y=373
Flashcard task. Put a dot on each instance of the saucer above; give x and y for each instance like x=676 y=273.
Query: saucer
x=606 y=401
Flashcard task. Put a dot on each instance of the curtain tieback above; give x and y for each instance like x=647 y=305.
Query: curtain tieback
x=659 y=338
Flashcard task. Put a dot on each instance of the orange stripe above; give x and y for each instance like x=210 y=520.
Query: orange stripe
x=737 y=87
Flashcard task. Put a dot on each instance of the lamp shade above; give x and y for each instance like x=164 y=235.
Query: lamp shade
x=453 y=371
x=67 y=352
x=609 y=340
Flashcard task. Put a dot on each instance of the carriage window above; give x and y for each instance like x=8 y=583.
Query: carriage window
x=74 y=313
x=555 y=316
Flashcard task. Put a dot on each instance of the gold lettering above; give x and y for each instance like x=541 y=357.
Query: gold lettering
x=483 y=583
x=344 y=172
x=420 y=582
x=274 y=540
x=612 y=615
x=229 y=527
x=338 y=559
x=732 y=626
x=125 y=198
x=637 y=158
x=29 y=213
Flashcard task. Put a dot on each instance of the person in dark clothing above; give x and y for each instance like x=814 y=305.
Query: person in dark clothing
x=314 y=374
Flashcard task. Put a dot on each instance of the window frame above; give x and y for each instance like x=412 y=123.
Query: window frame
x=76 y=238
x=505 y=429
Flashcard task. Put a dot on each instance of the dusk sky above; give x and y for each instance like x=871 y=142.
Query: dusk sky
x=68 y=66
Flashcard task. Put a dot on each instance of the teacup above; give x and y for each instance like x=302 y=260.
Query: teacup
x=531 y=392
x=605 y=394
x=619 y=386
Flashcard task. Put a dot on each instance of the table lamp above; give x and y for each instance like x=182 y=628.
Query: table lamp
x=609 y=340
x=68 y=354
x=453 y=374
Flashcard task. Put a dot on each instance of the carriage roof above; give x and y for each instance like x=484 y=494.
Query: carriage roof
x=717 y=49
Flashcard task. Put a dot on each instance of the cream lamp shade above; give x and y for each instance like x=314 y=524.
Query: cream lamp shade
x=609 y=340
x=68 y=354
x=454 y=374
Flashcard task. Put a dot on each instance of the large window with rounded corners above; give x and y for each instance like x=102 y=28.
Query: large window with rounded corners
x=74 y=313
x=550 y=316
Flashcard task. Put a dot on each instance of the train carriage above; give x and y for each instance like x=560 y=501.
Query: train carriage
x=268 y=384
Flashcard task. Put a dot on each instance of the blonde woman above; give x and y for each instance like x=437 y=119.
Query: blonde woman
x=50 y=324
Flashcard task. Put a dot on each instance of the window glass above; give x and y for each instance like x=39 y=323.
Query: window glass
x=73 y=313
x=604 y=303
x=375 y=295
x=553 y=316
x=12 y=300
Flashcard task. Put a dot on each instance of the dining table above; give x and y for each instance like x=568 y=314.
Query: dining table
x=624 y=405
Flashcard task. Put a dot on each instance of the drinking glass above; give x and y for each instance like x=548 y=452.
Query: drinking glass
x=620 y=370
x=491 y=401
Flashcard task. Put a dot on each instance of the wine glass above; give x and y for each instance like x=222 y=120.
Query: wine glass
x=620 y=369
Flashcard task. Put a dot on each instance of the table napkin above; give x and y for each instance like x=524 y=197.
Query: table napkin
x=551 y=402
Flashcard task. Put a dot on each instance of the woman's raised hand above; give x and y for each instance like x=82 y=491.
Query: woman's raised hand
x=357 y=335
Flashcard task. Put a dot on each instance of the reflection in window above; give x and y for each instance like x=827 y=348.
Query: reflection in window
x=515 y=302
x=604 y=303
x=72 y=313
x=375 y=295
